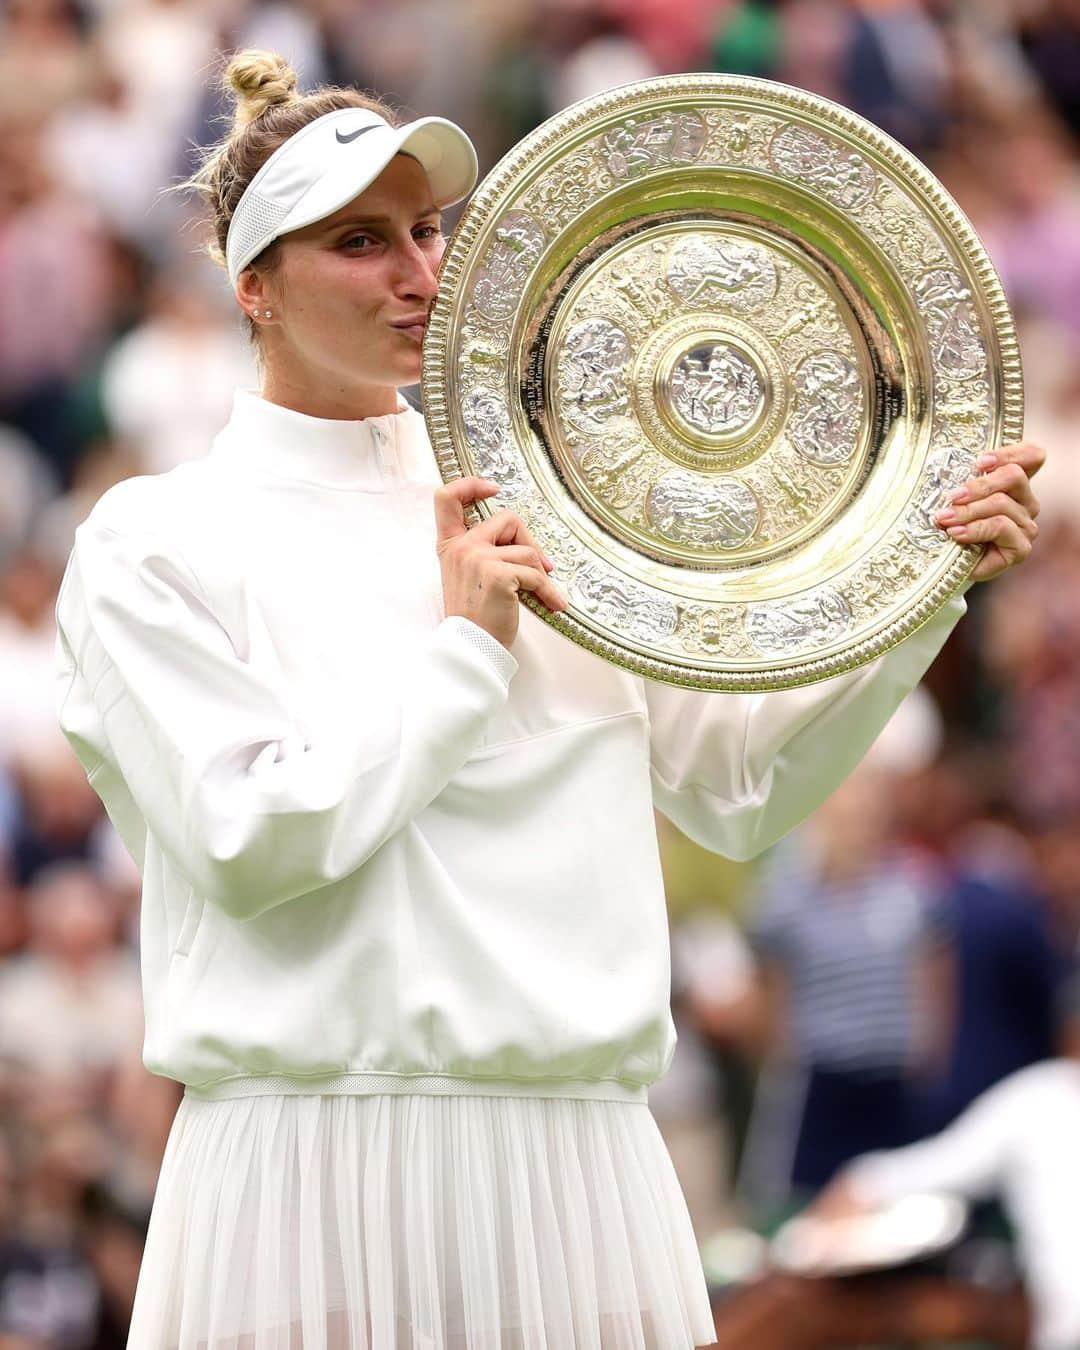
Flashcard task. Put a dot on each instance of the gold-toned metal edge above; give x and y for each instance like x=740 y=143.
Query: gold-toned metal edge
x=776 y=95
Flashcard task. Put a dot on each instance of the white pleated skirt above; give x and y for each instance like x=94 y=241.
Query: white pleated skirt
x=416 y=1222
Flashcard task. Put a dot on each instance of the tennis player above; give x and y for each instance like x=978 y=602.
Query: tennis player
x=403 y=937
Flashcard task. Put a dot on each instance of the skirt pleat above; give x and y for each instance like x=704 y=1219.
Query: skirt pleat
x=418 y=1222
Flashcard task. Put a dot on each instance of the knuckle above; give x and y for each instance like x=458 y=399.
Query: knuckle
x=1013 y=476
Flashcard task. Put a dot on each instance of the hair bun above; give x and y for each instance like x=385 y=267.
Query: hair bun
x=260 y=80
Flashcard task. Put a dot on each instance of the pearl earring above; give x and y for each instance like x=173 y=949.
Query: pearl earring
x=268 y=312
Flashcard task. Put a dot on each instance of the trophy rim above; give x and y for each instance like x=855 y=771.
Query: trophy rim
x=770 y=96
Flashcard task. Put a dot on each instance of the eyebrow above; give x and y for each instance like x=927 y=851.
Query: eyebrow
x=385 y=220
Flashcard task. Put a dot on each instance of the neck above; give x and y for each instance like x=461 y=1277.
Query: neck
x=330 y=400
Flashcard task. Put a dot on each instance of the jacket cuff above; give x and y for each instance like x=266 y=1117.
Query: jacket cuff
x=496 y=654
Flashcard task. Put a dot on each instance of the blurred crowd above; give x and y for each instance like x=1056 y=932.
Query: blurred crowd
x=907 y=950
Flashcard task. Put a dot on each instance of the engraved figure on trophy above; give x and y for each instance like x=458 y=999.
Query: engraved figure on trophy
x=592 y=384
x=711 y=630
x=828 y=408
x=605 y=467
x=715 y=388
x=620 y=604
x=702 y=512
x=634 y=148
x=519 y=241
x=734 y=272
x=946 y=304
x=487 y=426
x=842 y=176
x=883 y=579
x=814 y=620
x=946 y=468
x=813 y=308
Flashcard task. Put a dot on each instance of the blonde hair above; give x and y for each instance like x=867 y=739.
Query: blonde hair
x=268 y=110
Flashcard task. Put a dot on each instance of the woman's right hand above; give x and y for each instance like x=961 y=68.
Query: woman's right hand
x=485 y=568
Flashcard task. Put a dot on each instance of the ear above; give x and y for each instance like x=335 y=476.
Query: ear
x=253 y=293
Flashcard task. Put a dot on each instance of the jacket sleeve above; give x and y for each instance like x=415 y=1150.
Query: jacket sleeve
x=157 y=704
x=736 y=772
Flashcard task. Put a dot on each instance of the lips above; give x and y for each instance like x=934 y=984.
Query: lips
x=413 y=326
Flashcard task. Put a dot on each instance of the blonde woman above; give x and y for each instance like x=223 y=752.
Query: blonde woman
x=403 y=931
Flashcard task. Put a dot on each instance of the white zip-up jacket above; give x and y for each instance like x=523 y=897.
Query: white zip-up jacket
x=381 y=852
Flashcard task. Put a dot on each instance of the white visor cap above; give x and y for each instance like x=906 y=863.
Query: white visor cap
x=324 y=166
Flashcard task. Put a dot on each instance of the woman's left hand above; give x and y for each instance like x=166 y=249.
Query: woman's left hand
x=997 y=509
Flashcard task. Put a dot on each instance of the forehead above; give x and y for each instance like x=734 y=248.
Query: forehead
x=401 y=191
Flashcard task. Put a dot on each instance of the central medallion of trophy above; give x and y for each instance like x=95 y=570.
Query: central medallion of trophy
x=713 y=389
x=672 y=412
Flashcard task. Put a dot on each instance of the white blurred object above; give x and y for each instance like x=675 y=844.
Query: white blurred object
x=113 y=157
x=164 y=54
x=601 y=64
x=911 y=738
x=1018 y=1141
x=27 y=710
x=734 y=1255
x=168 y=386
x=912 y=1228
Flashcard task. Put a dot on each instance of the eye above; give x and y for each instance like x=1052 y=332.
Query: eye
x=428 y=232
x=355 y=239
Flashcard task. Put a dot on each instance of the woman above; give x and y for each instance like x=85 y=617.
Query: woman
x=403 y=931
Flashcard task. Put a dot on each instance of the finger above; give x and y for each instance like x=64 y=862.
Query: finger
x=1008 y=478
x=1005 y=539
x=450 y=503
x=506 y=527
x=996 y=505
x=522 y=555
x=1027 y=454
x=541 y=585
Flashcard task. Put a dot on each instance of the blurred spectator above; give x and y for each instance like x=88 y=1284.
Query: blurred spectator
x=187 y=343
x=1050 y=34
x=896 y=71
x=1032 y=649
x=1034 y=232
x=44 y=61
x=54 y=306
x=1018 y=1141
x=70 y=1005
x=845 y=945
x=58 y=811
x=28 y=585
x=49 y=1293
x=104 y=150
x=1008 y=975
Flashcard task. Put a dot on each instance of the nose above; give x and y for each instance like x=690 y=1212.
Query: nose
x=417 y=277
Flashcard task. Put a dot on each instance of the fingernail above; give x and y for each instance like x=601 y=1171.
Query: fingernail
x=943 y=517
x=986 y=461
x=548 y=562
x=960 y=495
x=957 y=531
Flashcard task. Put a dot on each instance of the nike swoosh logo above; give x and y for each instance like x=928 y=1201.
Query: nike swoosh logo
x=353 y=134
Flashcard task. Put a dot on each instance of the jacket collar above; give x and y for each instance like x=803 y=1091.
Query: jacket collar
x=264 y=437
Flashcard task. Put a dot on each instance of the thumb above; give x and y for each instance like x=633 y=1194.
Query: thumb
x=451 y=501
